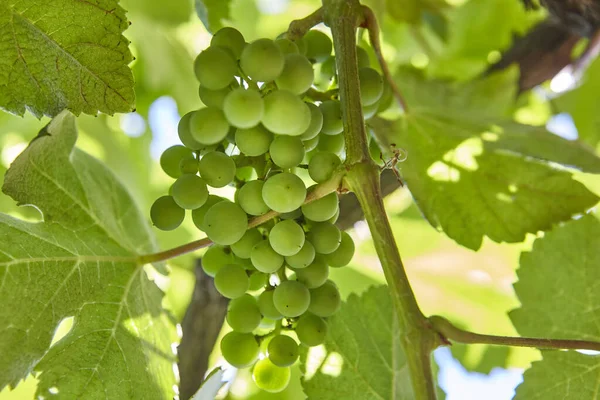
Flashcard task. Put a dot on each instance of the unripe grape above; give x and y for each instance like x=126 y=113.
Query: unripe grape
x=283 y=351
x=297 y=213
x=325 y=236
x=250 y=198
x=297 y=75
x=243 y=314
x=322 y=165
x=188 y=166
x=331 y=143
x=215 y=258
x=243 y=108
x=269 y=377
x=243 y=247
x=208 y=125
x=343 y=254
x=215 y=68
x=303 y=258
x=185 y=134
x=225 y=223
x=267 y=307
x=386 y=98
x=258 y=280
x=239 y=349
x=318 y=45
x=253 y=141
x=189 y=191
x=199 y=213
x=287 y=151
x=328 y=70
x=363 y=57
x=264 y=258
x=165 y=214
x=371 y=85
x=332 y=117
x=321 y=209
x=291 y=298
x=286 y=238
x=213 y=98
x=285 y=113
x=231 y=281
x=262 y=60
x=315 y=274
x=316 y=123
x=325 y=300
x=231 y=39
x=311 y=330
x=311 y=144
x=284 y=192
x=217 y=169
x=286 y=46
x=171 y=158
x=370 y=110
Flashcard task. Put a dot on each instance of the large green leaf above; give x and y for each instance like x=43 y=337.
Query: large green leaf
x=362 y=357
x=81 y=262
x=212 y=13
x=558 y=291
x=57 y=54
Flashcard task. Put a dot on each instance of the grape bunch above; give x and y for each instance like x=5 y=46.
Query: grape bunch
x=267 y=130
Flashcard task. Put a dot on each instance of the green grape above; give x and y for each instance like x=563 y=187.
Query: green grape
x=322 y=165
x=245 y=174
x=331 y=143
x=213 y=98
x=239 y=349
x=328 y=69
x=253 y=141
x=243 y=314
x=215 y=258
x=199 y=213
x=375 y=152
x=215 y=68
x=231 y=39
x=335 y=217
x=286 y=237
x=232 y=281
x=285 y=113
x=188 y=166
x=287 y=151
x=225 y=223
x=171 y=158
x=189 y=191
x=311 y=144
x=363 y=57
x=165 y=214
x=264 y=258
x=303 y=258
x=370 y=111
x=243 y=108
x=311 y=330
x=283 y=351
x=291 y=298
x=343 y=254
x=250 y=198
x=284 y=192
x=267 y=307
x=286 y=46
x=332 y=117
x=325 y=236
x=217 y=169
x=318 y=45
x=315 y=274
x=297 y=213
x=208 y=125
x=371 y=85
x=269 y=377
x=262 y=60
x=321 y=209
x=325 y=300
x=297 y=75
x=386 y=98
x=258 y=280
x=185 y=134
x=243 y=247
x=316 y=123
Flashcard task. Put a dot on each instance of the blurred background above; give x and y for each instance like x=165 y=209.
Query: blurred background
x=455 y=40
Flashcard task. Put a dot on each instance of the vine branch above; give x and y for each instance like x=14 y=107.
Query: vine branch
x=449 y=331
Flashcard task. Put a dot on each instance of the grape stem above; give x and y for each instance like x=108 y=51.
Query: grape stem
x=321 y=190
x=452 y=333
x=299 y=27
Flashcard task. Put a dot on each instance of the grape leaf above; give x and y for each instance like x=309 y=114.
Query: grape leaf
x=212 y=13
x=81 y=262
x=559 y=298
x=362 y=357
x=58 y=54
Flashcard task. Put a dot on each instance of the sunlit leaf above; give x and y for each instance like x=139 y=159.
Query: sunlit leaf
x=212 y=13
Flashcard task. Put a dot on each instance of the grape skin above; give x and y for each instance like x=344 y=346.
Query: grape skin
x=322 y=166
x=303 y=258
x=283 y=351
x=250 y=198
x=325 y=300
x=291 y=298
x=318 y=45
x=243 y=314
x=239 y=349
x=287 y=151
x=264 y=258
x=284 y=192
x=243 y=108
x=287 y=238
x=215 y=258
x=215 y=68
x=269 y=377
x=262 y=60
x=199 y=213
x=371 y=86
x=311 y=330
x=297 y=75
x=253 y=141
x=165 y=214
x=171 y=158
x=315 y=274
x=316 y=123
x=225 y=223
x=217 y=169
x=267 y=307
x=232 y=281
x=343 y=254
x=332 y=117
x=189 y=191
x=243 y=247
x=285 y=113
x=325 y=236
x=208 y=125
x=231 y=39
x=321 y=209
